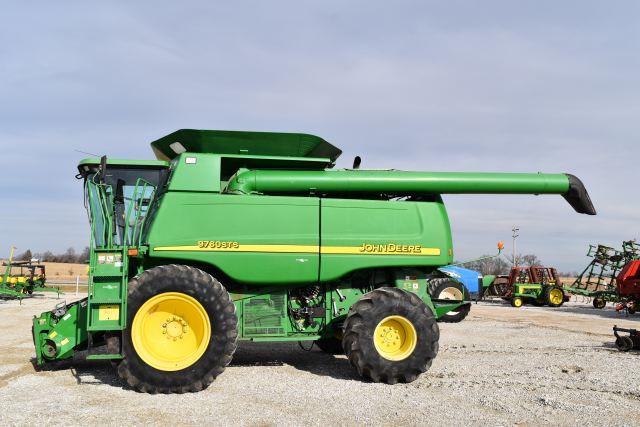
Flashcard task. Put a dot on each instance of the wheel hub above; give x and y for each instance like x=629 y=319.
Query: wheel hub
x=174 y=328
x=390 y=338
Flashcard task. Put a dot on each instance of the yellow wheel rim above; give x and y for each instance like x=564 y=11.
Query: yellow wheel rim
x=555 y=296
x=171 y=331
x=517 y=302
x=395 y=338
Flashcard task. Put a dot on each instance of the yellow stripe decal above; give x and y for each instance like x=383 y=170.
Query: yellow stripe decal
x=365 y=249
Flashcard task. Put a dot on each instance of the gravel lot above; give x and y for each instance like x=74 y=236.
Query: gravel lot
x=501 y=366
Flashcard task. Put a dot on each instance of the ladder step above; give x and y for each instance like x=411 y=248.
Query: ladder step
x=104 y=356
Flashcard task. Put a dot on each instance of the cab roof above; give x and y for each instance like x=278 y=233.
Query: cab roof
x=243 y=143
x=91 y=164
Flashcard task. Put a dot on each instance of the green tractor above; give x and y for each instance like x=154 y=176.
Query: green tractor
x=536 y=285
x=255 y=236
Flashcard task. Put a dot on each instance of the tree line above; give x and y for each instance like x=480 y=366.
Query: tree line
x=488 y=264
x=69 y=256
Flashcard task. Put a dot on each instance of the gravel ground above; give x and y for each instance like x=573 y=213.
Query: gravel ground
x=501 y=366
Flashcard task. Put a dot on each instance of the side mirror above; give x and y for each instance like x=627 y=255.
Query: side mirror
x=356 y=162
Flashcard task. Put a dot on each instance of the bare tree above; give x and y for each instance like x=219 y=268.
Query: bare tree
x=531 y=260
x=84 y=256
x=69 y=256
x=25 y=256
x=489 y=265
x=526 y=260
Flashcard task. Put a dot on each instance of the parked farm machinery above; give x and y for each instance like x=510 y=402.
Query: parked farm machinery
x=22 y=278
x=536 y=285
x=611 y=276
x=626 y=338
x=255 y=236
x=454 y=282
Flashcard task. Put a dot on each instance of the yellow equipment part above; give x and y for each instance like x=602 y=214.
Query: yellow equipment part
x=556 y=296
x=171 y=331
x=395 y=338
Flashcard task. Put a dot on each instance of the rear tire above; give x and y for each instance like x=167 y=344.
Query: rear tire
x=390 y=336
x=212 y=351
x=445 y=288
x=554 y=296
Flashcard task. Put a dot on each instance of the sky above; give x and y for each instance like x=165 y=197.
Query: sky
x=522 y=86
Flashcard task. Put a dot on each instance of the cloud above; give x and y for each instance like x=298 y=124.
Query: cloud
x=497 y=85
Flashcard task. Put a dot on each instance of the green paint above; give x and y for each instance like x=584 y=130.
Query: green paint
x=295 y=242
x=396 y=182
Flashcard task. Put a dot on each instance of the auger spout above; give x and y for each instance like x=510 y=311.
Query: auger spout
x=401 y=183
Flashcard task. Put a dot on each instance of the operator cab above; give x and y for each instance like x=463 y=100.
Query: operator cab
x=118 y=196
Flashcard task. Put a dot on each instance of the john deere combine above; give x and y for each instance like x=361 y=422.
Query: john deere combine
x=254 y=236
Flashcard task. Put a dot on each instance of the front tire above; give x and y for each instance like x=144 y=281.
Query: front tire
x=181 y=332
x=390 y=336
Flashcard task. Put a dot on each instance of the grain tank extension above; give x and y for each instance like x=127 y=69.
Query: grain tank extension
x=255 y=236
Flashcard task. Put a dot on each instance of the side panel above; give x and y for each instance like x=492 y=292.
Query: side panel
x=253 y=239
x=358 y=234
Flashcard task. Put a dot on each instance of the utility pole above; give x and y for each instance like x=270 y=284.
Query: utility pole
x=515 y=236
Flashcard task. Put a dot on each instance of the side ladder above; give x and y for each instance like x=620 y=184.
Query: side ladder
x=107 y=298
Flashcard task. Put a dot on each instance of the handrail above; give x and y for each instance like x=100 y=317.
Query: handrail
x=99 y=197
x=137 y=199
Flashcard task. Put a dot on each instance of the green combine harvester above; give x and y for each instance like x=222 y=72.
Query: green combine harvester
x=254 y=236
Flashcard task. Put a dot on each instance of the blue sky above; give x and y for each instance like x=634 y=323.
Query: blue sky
x=492 y=85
